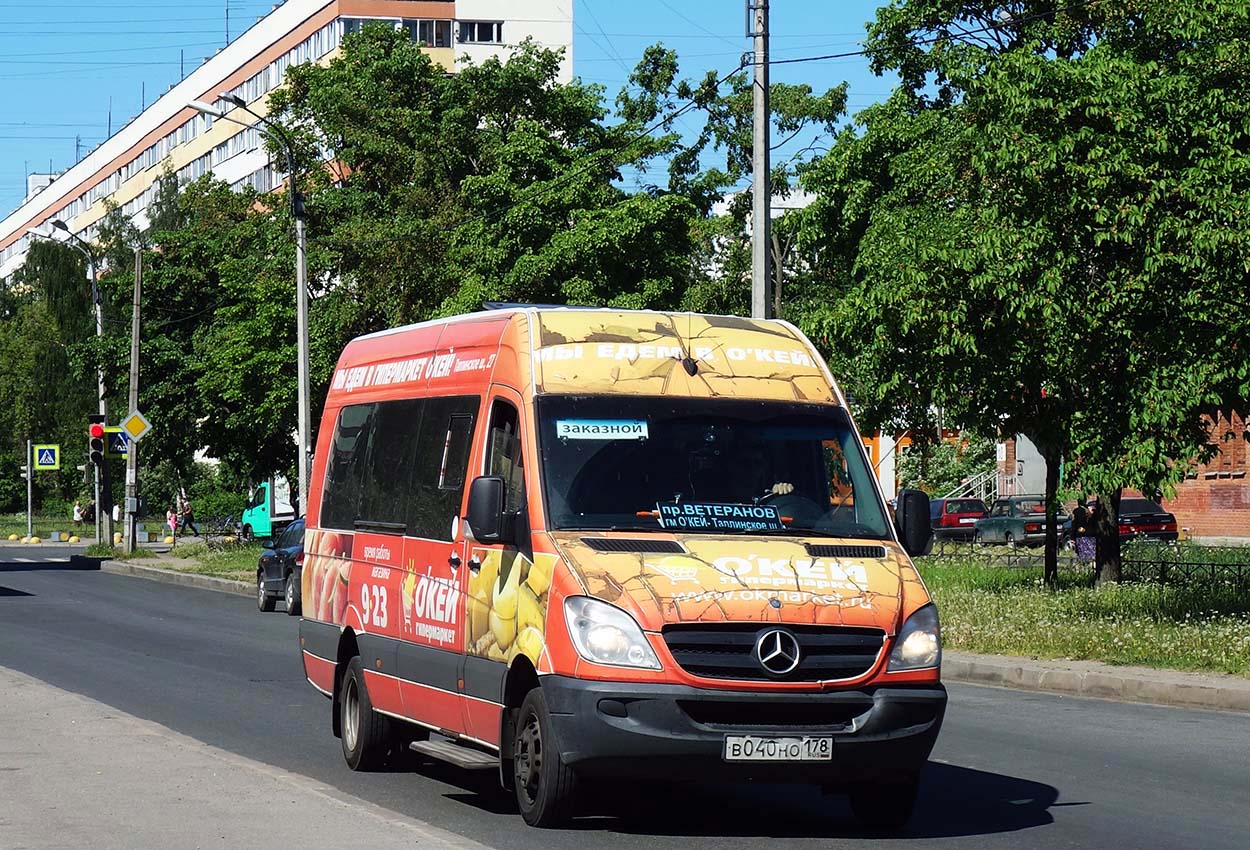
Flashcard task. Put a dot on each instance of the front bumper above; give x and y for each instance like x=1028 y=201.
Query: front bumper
x=622 y=730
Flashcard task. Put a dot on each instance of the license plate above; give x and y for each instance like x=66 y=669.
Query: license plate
x=754 y=748
x=967 y=520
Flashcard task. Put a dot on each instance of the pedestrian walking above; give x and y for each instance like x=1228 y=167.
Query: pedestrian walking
x=187 y=517
x=1084 y=534
x=171 y=520
x=78 y=514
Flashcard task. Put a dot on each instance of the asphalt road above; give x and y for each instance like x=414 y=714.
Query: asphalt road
x=1011 y=769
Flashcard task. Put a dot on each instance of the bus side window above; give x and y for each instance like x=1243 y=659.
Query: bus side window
x=345 y=470
x=440 y=465
x=504 y=456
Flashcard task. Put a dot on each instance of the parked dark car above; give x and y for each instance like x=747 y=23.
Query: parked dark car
x=1015 y=520
x=955 y=519
x=279 y=569
x=1140 y=519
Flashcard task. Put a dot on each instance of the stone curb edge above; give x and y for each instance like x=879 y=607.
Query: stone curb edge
x=1098 y=680
x=221 y=585
x=1084 y=678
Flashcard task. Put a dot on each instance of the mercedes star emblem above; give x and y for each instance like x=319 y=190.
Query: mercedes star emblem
x=777 y=651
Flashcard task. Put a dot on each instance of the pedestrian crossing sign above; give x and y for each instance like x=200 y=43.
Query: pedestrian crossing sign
x=47 y=458
x=117 y=442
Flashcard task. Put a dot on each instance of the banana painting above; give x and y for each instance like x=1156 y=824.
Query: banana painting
x=507 y=606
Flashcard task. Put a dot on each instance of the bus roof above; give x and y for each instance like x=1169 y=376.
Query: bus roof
x=599 y=350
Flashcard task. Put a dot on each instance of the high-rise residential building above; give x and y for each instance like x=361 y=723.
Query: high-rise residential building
x=126 y=168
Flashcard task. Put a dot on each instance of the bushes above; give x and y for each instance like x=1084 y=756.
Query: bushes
x=212 y=488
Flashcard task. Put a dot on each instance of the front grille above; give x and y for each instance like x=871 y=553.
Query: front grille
x=807 y=714
x=828 y=550
x=642 y=544
x=727 y=651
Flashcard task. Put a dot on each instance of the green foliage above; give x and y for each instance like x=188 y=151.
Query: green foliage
x=1044 y=228
x=438 y=192
x=938 y=468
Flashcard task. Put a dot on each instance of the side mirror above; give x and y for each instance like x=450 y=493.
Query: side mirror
x=485 y=517
x=911 y=518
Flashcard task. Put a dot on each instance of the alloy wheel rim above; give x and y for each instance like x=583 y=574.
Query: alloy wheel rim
x=351 y=715
x=528 y=758
x=260 y=588
x=290 y=593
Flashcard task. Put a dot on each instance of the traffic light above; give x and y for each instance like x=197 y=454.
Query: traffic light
x=95 y=438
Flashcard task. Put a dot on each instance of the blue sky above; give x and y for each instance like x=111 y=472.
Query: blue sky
x=63 y=61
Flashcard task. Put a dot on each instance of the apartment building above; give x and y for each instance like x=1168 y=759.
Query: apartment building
x=126 y=168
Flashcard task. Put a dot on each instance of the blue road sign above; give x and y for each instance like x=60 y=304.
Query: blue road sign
x=118 y=442
x=47 y=457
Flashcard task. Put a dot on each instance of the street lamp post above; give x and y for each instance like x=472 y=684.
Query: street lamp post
x=301 y=275
x=75 y=242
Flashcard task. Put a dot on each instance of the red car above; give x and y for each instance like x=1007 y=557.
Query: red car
x=955 y=519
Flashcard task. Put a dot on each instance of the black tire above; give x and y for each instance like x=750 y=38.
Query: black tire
x=366 y=734
x=246 y=534
x=885 y=805
x=264 y=601
x=291 y=595
x=978 y=539
x=545 y=786
x=1009 y=539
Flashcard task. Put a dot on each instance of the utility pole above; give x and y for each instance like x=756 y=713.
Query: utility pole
x=301 y=334
x=132 y=451
x=30 y=489
x=761 y=191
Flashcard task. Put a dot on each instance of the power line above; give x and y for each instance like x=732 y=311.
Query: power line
x=60 y=53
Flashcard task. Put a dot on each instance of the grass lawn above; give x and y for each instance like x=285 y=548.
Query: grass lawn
x=235 y=562
x=1008 y=611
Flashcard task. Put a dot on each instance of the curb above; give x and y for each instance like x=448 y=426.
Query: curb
x=1074 y=678
x=1101 y=681
x=221 y=585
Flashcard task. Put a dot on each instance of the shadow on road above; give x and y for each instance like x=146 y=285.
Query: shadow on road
x=954 y=801
x=75 y=562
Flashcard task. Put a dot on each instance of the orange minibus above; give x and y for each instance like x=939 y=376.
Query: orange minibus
x=571 y=545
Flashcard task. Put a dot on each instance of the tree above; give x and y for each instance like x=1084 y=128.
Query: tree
x=1043 y=229
x=439 y=192
x=47 y=374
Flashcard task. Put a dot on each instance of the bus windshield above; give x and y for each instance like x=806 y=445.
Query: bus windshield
x=705 y=466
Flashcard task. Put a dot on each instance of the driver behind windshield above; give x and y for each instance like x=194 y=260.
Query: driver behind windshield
x=732 y=469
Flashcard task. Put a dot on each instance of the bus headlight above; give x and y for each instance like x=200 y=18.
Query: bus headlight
x=919 y=642
x=604 y=634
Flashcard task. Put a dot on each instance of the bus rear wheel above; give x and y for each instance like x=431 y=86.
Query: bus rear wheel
x=366 y=734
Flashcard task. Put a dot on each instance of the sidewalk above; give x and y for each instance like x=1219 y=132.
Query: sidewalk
x=1075 y=678
x=81 y=774
x=1099 y=680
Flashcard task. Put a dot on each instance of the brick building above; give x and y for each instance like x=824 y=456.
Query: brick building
x=1212 y=504
x=1213 y=501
